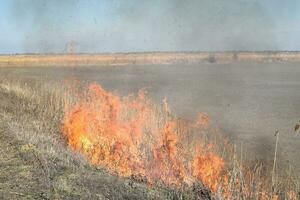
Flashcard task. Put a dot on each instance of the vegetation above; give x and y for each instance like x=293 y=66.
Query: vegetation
x=37 y=163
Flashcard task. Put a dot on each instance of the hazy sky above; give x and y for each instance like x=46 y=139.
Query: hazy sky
x=46 y=26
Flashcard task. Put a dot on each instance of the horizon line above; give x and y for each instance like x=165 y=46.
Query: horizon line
x=150 y=52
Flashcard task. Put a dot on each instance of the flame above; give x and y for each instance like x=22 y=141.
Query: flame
x=131 y=136
x=208 y=168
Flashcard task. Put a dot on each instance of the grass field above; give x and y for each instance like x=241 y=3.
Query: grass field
x=144 y=58
x=37 y=163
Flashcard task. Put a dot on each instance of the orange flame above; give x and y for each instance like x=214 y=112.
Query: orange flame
x=131 y=136
x=208 y=168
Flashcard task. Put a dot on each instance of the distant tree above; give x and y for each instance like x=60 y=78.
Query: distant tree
x=71 y=47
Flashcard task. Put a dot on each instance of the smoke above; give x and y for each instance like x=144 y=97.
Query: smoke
x=134 y=25
x=44 y=23
x=202 y=25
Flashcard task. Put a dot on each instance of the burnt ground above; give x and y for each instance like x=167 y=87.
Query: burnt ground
x=28 y=172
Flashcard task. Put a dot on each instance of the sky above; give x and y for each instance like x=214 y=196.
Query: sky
x=107 y=26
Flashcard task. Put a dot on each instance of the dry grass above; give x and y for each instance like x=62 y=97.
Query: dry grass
x=36 y=116
x=144 y=58
x=259 y=180
x=33 y=113
x=31 y=116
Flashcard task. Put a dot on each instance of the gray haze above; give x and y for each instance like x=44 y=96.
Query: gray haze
x=168 y=25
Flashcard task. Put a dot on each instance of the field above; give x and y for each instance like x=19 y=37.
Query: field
x=247 y=102
x=158 y=58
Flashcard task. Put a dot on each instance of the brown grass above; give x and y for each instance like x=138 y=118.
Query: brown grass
x=32 y=113
x=143 y=58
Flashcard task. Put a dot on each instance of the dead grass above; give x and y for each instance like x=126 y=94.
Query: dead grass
x=31 y=114
x=144 y=58
x=258 y=180
x=41 y=161
x=36 y=116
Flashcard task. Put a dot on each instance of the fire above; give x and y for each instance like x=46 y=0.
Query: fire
x=208 y=168
x=131 y=136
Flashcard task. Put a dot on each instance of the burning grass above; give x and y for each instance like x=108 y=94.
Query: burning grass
x=135 y=138
x=31 y=115
x=132 y=136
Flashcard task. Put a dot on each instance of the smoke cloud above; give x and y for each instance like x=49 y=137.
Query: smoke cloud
x=135 y=25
